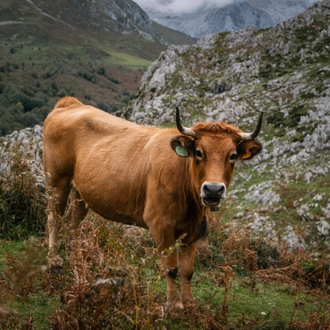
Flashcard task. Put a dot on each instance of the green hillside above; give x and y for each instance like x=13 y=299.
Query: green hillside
x=43 y=59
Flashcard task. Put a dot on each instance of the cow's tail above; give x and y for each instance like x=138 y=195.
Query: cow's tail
x=66 y=102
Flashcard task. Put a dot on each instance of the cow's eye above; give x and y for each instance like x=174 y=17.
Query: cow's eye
x=198 y=154
x=233 y=157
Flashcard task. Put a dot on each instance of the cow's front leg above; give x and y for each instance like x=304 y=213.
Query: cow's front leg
x=165 y=241
x=171 y=272
x=186 y=269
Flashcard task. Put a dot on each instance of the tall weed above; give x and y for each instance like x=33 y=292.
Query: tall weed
x=22 y=198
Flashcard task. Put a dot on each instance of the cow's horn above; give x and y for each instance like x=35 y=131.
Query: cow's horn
x=254 y=134
x=182 y=129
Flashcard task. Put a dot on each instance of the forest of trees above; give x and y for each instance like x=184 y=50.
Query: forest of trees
x=27 y=104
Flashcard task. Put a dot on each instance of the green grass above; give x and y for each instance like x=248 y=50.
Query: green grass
x=265 y=304
x=39 y=305
x=45 y=55
x=127 y=61
x=21 y=265
x=13 y=248
x=265 y=300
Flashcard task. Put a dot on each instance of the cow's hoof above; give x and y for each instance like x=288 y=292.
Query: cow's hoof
x=175 y=306
x=193 y=303
x=55 y=262
x=178 y=305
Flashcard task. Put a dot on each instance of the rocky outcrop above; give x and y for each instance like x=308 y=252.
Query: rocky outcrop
x=22 y=146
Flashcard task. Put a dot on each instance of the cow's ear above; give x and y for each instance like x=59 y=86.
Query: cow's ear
x=248 y=149
x=184 y=146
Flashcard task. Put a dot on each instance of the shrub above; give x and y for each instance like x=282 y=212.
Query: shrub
x=101 y=71
x=30 y=103
x=114 y=80
x=22 y=199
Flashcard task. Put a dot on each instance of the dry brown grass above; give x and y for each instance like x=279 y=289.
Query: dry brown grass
x=112 y=279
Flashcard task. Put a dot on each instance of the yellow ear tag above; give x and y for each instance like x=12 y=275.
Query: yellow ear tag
x=247 y=155
x=181 y=151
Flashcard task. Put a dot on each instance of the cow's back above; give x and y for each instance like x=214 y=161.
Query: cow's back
x=104 y=156
x=72 y=129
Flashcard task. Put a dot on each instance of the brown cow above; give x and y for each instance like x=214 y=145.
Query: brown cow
x=165 y=180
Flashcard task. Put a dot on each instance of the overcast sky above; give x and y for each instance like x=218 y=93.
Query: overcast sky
x=185 y=5
x=180 y=5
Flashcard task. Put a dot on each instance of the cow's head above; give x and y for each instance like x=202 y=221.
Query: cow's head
x=214 y=149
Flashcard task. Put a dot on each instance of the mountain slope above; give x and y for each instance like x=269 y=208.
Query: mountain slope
x=285 y=72
x=96 y=51
x=238 y=15
x=173 y=37
x=122 y=16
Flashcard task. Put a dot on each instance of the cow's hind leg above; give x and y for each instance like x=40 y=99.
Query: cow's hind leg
x=77 y=209
x=57 y=200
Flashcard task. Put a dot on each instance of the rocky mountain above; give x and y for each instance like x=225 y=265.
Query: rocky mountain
x=284 y=72
x=121 y=16
x=209 y=19
x=283 y=195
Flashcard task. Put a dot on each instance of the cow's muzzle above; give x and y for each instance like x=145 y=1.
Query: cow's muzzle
x=212 y=193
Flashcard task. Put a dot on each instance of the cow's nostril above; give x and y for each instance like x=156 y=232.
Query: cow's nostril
x=215 y=190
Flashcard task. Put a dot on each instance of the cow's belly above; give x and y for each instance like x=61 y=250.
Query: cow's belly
x=112 y=215
x=113 y=200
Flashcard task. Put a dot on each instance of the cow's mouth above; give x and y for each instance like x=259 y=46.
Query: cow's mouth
x=210 y=201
